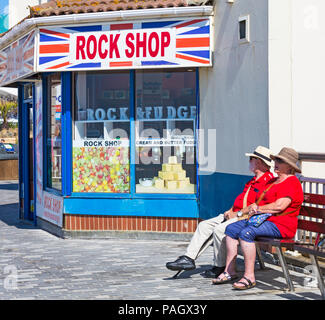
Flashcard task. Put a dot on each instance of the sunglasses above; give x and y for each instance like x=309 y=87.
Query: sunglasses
x=278 y=160
x=251 y=158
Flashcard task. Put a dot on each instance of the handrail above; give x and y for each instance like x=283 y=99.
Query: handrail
x=309 y=156
x=312 y=180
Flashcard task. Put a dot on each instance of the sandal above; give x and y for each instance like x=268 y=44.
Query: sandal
x=226 y=277
x=246 y=286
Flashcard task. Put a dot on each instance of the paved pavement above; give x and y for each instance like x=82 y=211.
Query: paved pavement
x=37 y=265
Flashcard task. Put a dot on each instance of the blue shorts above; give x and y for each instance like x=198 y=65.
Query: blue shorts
x=240 y=230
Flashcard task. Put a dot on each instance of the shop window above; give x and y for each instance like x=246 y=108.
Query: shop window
x=53 y=133
x=165 y=131
x=101 y=147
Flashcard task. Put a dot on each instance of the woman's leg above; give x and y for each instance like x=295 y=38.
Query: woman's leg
x=249 y=251
x=247 y=237
x=232 y=234
x=232 y=250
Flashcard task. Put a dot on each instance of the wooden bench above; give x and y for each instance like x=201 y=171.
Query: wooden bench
x=314 y=247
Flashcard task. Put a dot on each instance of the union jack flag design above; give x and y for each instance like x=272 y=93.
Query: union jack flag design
x=192 y=47
x=17 y=60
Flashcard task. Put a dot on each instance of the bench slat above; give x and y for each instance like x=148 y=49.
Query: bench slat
x=311 y=226
x=314 y=198
x=312 y=212
x=310 y=249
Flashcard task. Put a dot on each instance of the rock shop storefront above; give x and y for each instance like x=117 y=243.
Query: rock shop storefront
x=110 y=114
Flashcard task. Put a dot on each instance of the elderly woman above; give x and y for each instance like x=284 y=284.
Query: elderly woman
x=281 y=200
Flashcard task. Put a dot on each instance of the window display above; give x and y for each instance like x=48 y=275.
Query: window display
x=53 y=134
x=101 y=132
x=165 y=131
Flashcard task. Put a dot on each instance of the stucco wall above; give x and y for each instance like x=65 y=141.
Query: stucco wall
x=234 y=93
x=234 y=102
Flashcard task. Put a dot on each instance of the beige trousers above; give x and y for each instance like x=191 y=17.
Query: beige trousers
x=211 y=231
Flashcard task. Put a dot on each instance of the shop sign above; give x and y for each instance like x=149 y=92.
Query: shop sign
x=17 y=60
x=157 y=44
x=143 y=113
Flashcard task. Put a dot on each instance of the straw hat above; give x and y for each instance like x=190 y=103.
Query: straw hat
x=289 y=156
x=262 y=153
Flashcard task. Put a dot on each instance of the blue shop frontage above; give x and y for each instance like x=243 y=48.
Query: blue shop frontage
x=109 y=115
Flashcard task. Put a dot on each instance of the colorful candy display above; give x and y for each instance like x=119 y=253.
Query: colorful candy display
x=101 y=169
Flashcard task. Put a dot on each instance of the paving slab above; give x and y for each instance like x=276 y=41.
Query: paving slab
x=36 y=265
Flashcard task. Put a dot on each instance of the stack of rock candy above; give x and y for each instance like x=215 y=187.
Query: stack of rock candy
x=172 y=176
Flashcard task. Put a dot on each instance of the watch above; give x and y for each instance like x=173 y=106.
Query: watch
x=239 y=214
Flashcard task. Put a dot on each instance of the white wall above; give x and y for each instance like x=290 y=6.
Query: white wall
x=308 y=73
x=234 y=93
x=296 y=73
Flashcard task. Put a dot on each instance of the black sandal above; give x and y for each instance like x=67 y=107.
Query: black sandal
x=225 y=279
x=247 y=285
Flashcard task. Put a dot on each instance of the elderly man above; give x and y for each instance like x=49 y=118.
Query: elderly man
x=213 y=230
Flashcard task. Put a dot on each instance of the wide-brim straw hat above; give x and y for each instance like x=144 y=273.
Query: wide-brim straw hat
x=262 y=153
x=289 y=156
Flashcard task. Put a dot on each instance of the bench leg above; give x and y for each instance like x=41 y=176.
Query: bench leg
x=319 y=275
x=260 y=257
x=285 y=269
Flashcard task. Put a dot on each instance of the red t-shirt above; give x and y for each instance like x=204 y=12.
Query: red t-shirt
x=289 y=188
x=256 y=187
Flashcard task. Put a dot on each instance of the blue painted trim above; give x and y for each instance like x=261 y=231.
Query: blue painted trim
x=25 y=161
x=218 y=192
x=34 y=156
x=162 y=196
x=44 y=127
x=66 y=132
x=132 y=133
x=135 y=207
x=196 y=132
x=20 y=145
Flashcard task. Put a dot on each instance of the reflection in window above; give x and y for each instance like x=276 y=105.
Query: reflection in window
x=165 y=131
x=53 y=135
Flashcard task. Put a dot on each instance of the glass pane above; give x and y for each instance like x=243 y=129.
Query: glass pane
x=165 y=131
x=53 y=138
x=101 y=147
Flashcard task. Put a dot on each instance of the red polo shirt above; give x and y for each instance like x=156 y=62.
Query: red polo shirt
x=257 y=185
x=289 y=188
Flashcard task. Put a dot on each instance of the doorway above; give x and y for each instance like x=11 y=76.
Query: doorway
x=27 y=155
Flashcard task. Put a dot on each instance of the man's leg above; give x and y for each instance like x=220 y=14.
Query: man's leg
x=219 y=249
x=219 y=243
x=201 y=239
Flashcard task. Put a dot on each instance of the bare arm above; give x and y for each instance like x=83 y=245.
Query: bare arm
x=275 y=207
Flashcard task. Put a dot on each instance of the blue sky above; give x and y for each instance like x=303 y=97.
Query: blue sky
x=4 y=15
x=4 y=7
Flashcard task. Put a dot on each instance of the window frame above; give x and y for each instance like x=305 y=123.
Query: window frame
x=246 y=39
x=132 y=119
x=46 y=104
